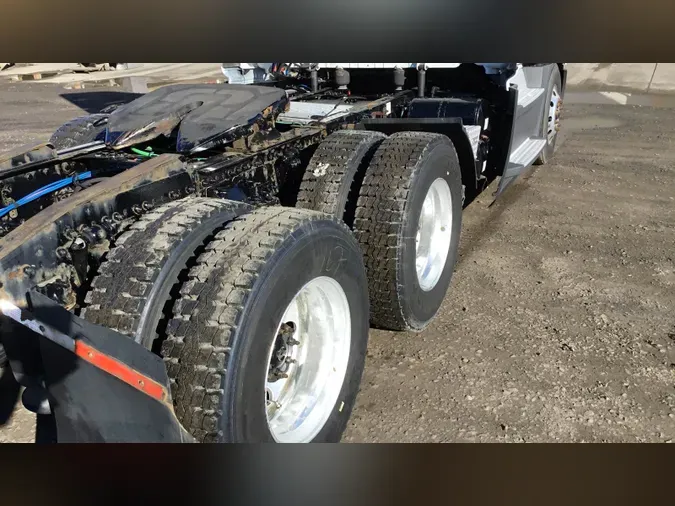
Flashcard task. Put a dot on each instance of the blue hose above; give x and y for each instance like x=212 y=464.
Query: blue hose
x=51 y=187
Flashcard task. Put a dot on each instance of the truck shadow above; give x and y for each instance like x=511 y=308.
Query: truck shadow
x=491 y=222
x=10 y=392
x=93 y=101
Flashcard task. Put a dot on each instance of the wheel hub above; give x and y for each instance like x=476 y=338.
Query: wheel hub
x=282 y=354
x=434 y=234
x=555 y=110
x=308 y=361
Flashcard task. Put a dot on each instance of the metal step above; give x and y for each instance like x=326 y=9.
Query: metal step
x=524 y=155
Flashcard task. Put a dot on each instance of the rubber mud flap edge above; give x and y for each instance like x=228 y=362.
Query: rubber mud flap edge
x=110 y=389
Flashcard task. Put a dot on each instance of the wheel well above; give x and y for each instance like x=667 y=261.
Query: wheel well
x=561 y=68
x=467 y=162
x=290 y=174
x=446 y=126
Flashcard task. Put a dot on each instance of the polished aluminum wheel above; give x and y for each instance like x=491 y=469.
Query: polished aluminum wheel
x=555 y=107
x=308 y=361
x=434 y=233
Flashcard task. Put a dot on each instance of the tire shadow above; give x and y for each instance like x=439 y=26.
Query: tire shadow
x=9 y=395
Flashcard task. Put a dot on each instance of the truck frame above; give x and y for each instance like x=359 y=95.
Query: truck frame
x=203 y=263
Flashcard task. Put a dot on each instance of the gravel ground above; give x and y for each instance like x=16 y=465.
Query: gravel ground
x=559 y=324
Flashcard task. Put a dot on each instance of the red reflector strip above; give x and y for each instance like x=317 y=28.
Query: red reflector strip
x=121 y=371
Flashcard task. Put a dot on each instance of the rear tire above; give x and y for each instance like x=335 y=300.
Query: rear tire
x=335 y=172
x=135 y=280
x=229 y=316
x=410 y=170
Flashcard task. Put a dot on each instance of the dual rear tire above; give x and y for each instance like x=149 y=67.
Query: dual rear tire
x=262 y=316
x=407 y=216
x=275 y=310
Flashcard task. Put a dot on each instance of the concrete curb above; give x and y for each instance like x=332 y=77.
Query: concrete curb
x=658 y=78
x=619 y=98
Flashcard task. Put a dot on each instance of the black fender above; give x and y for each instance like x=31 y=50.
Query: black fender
x=466 y=147
x=563 y=77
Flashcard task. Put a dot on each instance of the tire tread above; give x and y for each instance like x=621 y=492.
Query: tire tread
x=379 y=219
x=201 y=333
x=124 y=280
x=335 y=163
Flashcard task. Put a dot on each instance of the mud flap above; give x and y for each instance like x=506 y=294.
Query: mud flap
x=101 y=385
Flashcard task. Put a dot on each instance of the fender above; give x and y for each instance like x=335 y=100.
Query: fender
x=464 y=138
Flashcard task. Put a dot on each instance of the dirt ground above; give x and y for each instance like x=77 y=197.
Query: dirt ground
x=560 y=322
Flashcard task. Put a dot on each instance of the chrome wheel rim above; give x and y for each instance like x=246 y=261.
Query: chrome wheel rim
x=307 y=361
x=434 y=234
x=555 y=107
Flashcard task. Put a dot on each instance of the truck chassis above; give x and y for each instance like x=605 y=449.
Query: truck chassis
x=119 y=236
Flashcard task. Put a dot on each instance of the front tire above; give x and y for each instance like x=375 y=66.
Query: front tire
x=551 y=118
x=235 y=331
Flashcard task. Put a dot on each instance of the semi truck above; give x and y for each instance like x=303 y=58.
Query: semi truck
x=204 y=263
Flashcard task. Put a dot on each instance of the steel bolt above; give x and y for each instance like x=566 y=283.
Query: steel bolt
x=79 y=244
x=99 y=233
